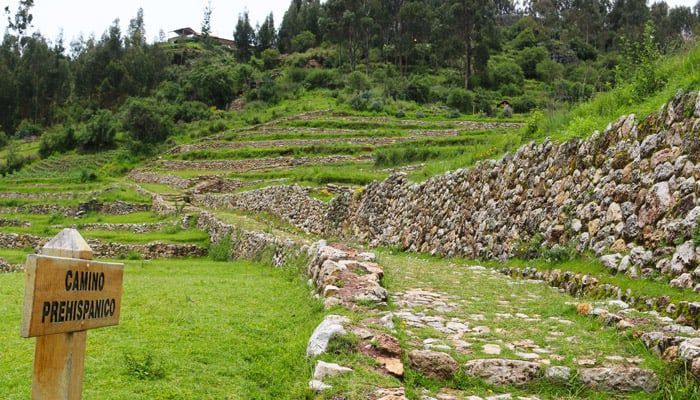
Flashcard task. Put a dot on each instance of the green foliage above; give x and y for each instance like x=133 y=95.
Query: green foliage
x=146 y=120
x=144 y=367
x=303 y=41
x=60 y=139
x=533 y=125
x=221 y=250
x=271 y=58
x=358 y=81
x=190 y=111
x=461 y=99
x=4 y=140
x=27 y=129
x=322 y=78
x=215 y=84
x=638 y=65
x=87 y=176
x=549 y=70
x=13 y=161
x=504 y=72
x=99 y=132
x=528 y=59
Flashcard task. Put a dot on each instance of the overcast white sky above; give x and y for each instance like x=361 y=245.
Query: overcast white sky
x=94 y=16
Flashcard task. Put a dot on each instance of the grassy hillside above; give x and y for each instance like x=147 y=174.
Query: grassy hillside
x=680 y=72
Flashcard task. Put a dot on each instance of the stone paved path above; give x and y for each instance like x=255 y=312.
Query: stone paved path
x=475 y=313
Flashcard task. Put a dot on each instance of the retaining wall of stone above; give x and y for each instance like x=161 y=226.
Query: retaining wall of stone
x=109 y=249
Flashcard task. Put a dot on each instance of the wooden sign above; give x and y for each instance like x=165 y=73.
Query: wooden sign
x=65 y=294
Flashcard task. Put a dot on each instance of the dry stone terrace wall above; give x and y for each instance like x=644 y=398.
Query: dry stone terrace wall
x=290 y=203
x=109 y=249
x=249 y=245
x=632 y=188
x=257 y=164
x=201 y=184
x=113 y=208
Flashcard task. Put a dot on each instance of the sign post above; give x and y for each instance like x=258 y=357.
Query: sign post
x=66 y=293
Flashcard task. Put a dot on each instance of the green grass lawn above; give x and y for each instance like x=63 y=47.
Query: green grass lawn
x=190 y=329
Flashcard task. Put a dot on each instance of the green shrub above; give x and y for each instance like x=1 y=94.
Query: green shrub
x=221 y=250
x=190 y=111
x=507 y=112
x=146 y=120
x=213 y=84
x=322 y=78
x=4 y=140
x=504 y=71
x=13 y=161
x=557 y=253
x=549 y=70
x=59 y=140
x=417 y=90
x=271 y=58
x=461 y=100
x=360 y=100
x=99 y=131
x=533 y=125
x=402 y=114
x=303 y=41
x=528 y=59
x=358 y=81
x=87 y=176
x=27 y=128
x=296 y=75
x=524 y=104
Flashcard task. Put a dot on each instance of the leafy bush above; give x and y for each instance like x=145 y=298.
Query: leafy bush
x=322 y=78
x=358 y=81
x=99 y=131
x=296 y=75
x=504 y=72
x=549 y=70
x=461 y=99
x=507 y=112
x=221 y=250
x=146 y=120
x=213 y=84
x=13 y=161
x=190 y=111
x=27 y=128
x=270 y=58
x=360 y=100
x=87 y=176
x=528 y=59
x=303 y=41
x=3 y=139
x=638 y=64
x=524 y=104
x=417 y=90
x=57 y=141
x=533 y=125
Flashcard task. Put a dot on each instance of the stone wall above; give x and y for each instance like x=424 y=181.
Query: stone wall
x=633 y=188
x=291 y=203
x=249 y=245
x=256 y=164
x=200 y=184
x=109 y=249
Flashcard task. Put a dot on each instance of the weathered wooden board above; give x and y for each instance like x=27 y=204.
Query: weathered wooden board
x=69 y=295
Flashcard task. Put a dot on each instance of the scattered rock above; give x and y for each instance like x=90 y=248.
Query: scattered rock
x=433 y=364
x=503 y=371
x=619 y=379
x=331 y=326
